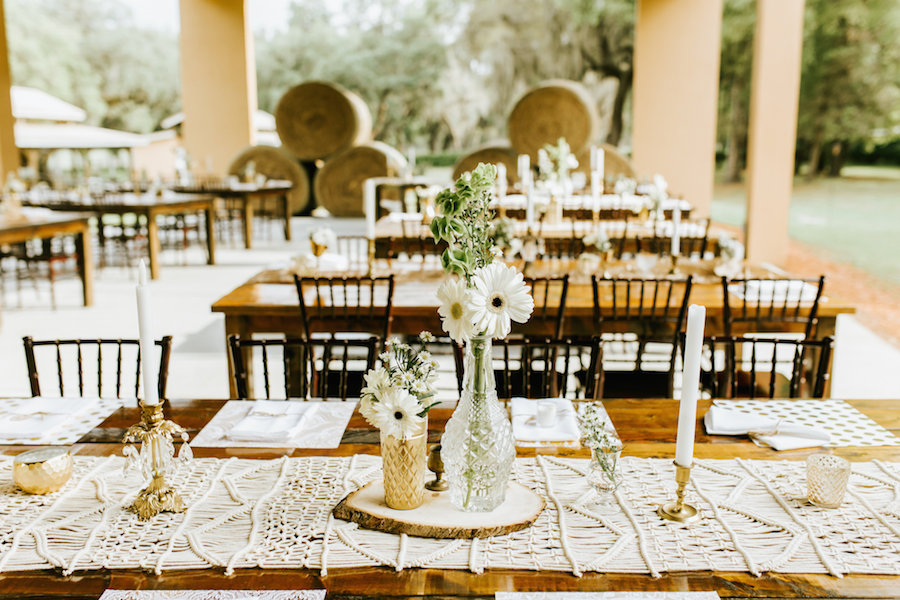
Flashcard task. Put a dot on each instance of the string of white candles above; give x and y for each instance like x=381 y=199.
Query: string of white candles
x=148 y=348
x=690 y=385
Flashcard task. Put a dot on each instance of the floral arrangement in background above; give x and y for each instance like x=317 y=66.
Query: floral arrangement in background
x=729 y=248
x=625 y=186
x=321 y=239
x=657 y=193
x=597 y=239
x=556 y=161
x=482 y=297
x=399 y=393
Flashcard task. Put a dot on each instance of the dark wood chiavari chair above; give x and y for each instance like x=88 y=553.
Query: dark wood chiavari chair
x=543 y=367
x=639 y=321
x=355 y=248
x=693 y=239
x=345 y=304
x=120 y=355
x=549 y=295
x=767 y=367
x=771 y=304
x=416 y=243
x=299 y=368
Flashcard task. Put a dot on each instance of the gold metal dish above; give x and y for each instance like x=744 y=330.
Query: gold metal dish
x=42 y=471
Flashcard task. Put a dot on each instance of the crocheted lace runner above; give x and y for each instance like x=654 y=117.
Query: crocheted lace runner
x=277 y=514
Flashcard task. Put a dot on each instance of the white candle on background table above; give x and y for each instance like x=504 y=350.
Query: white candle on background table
x=598 y=163
x=529 y=205
x=501 y=181
x=411 y=159
x=524 y=168
x=148 y=349
x=369 y=207
x=676 y=225
x=690 y=385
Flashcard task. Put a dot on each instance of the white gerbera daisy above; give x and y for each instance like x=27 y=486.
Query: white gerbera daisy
x=456 y=316
x=397 y=414
x=500 y=295
x=377 y=381
x=367 y=408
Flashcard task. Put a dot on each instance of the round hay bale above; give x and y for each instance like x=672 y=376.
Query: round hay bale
x=317 y=120
x=276 y=163
x=339 y=184
x=495 y=153
x=556 y=109
x=614 y=163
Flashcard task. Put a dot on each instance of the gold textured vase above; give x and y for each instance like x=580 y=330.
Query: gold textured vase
x=403 y=463
x=42 y=471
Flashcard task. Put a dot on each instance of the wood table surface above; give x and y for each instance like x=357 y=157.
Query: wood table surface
x=146 y=206
x=250 y=197
x=647 y=428
x=39 y=225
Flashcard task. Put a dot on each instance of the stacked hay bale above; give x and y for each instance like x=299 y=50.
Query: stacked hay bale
x=555 y=109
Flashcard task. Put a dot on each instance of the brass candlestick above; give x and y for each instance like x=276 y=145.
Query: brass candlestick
x=673 y=268
x=155 y=457
x=370 y=258
x=436 y=466
x=679 y=511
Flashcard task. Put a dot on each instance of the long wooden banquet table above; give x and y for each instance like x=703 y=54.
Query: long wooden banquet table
x=647 y=428
x=149 y=208
x=268 y=302
x=36 y=224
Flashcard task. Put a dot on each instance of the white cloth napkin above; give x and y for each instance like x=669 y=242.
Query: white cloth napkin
x=526 y=429
x=271 y=421
x=778 y=290
x=329 y=261
x=767 y=431
x=40 y=417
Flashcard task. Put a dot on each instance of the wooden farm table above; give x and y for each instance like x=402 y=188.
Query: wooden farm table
x=268 y=302
x=43 y=225
x=390 y=232
x=149 y=208
x=249 y=196
x=647 y=428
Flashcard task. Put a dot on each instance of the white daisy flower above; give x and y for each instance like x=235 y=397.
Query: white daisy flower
x=500 y=296
x=377 y=382
x=456 y=316
x=397 y=414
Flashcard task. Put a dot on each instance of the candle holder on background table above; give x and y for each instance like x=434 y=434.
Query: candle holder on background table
x=155 y=459
x=673 y=266
x=679 y=510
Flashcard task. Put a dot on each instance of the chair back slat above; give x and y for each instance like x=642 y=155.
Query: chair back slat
x=770 y=367
x=771 y=304
x=345 y=304
x=310 y=368
x=112 y=371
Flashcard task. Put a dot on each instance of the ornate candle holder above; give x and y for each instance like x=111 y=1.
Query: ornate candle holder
x=436 y=466
x=673 y=267
x=155 y=459
x=679 y=511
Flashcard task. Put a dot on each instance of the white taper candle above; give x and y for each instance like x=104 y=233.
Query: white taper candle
x=524 y=168
x=149 y=368
x=690 y=385
x=369 y=207
x=676 y=226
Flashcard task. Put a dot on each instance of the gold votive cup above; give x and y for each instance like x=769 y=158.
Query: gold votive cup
x=42 y=471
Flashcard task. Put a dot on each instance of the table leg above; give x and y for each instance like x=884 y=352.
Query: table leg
x=153 y=246
x=84 y=250
x=285 y=202
x=248 y=222
x=211 y=234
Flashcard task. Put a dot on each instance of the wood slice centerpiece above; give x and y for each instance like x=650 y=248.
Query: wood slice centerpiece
x=555 y=109
x=437 y=517
x=493 y=153
x=276 y=163
x=317 y=120
x=339 y=184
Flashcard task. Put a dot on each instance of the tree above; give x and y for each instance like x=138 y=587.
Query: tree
x=738 y=23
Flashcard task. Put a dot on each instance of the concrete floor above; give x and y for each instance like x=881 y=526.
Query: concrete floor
x=864 y=363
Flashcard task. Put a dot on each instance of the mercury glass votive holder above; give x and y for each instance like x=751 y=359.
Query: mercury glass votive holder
x=826 y=479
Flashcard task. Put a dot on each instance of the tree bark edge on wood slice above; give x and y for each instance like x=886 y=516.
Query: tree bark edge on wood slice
x=366 y=508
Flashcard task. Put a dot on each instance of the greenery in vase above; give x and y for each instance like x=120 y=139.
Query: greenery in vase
x=599 y=435
x=399 y=393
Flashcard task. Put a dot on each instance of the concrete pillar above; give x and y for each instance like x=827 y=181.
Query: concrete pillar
x=676 y=91
x=9 y=154
x=218 y=81
x=777 y=49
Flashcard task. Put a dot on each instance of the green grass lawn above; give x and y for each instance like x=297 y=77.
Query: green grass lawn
x=854 y=219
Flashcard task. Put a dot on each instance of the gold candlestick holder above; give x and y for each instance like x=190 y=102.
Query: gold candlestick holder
x=679 y=510
x=155 y=458
x=673 y=267
x=370 y=258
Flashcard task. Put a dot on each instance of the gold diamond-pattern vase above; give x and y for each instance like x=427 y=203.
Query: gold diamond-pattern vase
x=403 y=462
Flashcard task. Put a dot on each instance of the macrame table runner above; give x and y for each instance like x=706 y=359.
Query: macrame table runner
x=276 y=514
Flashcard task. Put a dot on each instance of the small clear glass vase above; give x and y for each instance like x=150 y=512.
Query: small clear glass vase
x=603 y=474
x=477 y=447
